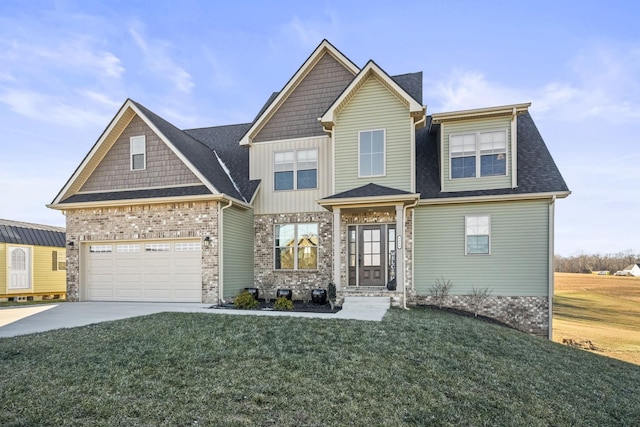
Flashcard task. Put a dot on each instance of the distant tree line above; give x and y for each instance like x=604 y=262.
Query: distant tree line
x=586 y=263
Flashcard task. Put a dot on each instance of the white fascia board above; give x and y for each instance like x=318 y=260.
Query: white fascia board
x=323 y=47
x=175 y=151
x=506 y=110
x=497 y=198
x=415 y=108
x=352 y=202
x=116 y=119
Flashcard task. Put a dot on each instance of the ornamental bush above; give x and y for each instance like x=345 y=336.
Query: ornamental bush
x=283 y=304
x=245 y=301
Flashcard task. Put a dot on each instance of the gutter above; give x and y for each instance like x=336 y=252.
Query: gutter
x=220 y=249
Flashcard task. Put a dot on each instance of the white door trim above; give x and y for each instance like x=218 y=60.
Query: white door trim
x=19 y=268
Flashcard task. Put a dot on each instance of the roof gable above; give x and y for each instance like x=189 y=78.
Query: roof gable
x=325 y=48
x=370 y=70
x=198 y=158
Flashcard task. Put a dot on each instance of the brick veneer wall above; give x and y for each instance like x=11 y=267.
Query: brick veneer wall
x=157 y=221
x=528 y=314
x=267 y=279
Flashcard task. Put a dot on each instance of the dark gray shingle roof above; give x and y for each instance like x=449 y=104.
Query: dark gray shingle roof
x=411 y=83
x=224 y=140
x=200 y=155
x=369 y=190
x=193 y=190
x=31 y=234
x=537 y=172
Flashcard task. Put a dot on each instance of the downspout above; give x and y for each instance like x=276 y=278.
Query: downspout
x=551 y=259
x=220 y=251
x=514 y=149
x=404 y=226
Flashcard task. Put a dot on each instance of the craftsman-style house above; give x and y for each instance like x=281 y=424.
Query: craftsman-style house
x=342 y=177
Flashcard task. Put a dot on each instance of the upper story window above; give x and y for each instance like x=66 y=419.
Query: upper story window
x=477 y=234
x=295 y=169
x=371 y=150
x=138 y=153
x=478 y=154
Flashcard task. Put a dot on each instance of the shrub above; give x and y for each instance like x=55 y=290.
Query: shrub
x=331 y=292
x=245 y=301
x=478 y=297
x=283 y=304
x=440 y=291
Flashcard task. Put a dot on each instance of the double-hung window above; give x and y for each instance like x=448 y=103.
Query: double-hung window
x=138 y=153
x=371 y=150
x=477 y=234
x=478 y=154
x=295 y=169
x=296 y=246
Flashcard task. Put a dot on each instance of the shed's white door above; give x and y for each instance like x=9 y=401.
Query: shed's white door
x=160 y=271
x=19 y=268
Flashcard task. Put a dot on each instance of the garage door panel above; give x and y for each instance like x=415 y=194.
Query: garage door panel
x=133 y=293
x=154 y=275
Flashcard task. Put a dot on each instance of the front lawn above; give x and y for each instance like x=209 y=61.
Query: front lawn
x=418 y=367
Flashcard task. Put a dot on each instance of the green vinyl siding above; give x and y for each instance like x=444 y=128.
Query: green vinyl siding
x=373 y=107
x=471 y=126
x=237 y=248
x=518 y=264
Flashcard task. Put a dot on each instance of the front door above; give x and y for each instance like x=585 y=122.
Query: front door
x=19 y=268
x=371 y=258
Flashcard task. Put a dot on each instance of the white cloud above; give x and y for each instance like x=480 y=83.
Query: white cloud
x=603 y=83
x=51 y=109
x=158 y=60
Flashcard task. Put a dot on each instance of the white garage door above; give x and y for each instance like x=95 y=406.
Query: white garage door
x=161 y=271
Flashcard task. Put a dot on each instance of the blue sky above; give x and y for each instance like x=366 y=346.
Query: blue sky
x=67 y=66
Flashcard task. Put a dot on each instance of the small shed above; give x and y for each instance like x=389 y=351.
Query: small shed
x=633 y=269
x=33 y=261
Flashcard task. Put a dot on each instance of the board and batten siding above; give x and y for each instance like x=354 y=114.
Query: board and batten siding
x=373 y=107
x=163 y=167
x=470 y=126
x=269 y=201
x=237 y=246
x=519 y=261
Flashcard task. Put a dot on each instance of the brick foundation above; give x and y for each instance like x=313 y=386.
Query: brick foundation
x=528 y=314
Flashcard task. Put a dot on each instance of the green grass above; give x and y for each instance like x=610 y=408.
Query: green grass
x=421 y=367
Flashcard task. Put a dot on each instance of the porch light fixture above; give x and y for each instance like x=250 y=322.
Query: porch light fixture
x=207 y=239
x=70 y=243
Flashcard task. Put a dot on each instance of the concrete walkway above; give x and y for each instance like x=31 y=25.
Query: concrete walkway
x=32 y=319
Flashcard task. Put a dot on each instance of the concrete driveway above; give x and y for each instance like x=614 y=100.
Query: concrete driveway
x=46 y=317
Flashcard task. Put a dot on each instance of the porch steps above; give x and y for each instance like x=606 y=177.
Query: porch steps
x=367 y=302
x=364 y=308
x=394 y=297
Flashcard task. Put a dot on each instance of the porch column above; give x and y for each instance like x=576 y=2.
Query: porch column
x=337 y=259
x=400 y=246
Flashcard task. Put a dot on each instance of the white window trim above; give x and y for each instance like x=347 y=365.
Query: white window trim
x=131 y=153
x=384 y=152
x=477 y=137
x=295 y=248
x=295 y=169
x=466 y=217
